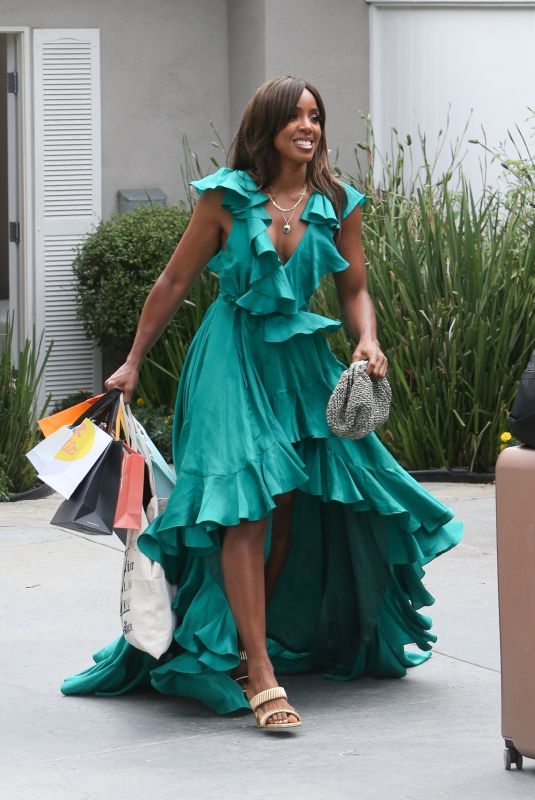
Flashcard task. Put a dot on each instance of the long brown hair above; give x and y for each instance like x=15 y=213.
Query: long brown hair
x=268 y=111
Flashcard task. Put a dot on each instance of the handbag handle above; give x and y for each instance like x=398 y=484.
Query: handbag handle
x=109 y=402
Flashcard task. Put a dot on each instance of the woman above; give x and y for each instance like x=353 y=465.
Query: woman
x=292 y=549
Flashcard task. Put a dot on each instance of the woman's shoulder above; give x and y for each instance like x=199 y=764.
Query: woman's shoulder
x=354 y=198
x=227 y=178
x=321 y=207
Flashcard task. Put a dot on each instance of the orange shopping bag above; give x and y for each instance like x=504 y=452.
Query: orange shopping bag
x=65 y=417
x=130 y=500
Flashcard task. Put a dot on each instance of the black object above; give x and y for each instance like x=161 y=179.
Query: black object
x=91 y=507
x=522 y=416
x=105 y=408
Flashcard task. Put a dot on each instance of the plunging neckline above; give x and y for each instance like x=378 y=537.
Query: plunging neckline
x=271 y=222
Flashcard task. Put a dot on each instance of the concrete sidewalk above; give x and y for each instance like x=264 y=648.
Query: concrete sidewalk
x=434 y=734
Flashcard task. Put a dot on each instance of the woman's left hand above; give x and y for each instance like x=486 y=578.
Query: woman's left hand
x=370 y=351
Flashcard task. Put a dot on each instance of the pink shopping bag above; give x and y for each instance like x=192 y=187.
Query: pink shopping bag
x=130 y=500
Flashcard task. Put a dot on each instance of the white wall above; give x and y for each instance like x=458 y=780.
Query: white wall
x=472 y=56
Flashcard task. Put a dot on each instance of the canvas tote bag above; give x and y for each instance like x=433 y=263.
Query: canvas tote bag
x=147 y=618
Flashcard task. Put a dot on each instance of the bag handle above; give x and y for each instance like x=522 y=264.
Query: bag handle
x=121 y=422
x=107 y=406
x=108 y=402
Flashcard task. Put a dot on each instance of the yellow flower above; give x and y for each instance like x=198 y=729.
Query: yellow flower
x=140 y=402
x=503 y=447
x=505 y=437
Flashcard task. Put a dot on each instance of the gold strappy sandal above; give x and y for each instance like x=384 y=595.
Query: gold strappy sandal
x=273 y=694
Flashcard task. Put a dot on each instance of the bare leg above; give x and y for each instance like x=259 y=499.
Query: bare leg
x=280 y=546
x=280 y=541
x=242 y=560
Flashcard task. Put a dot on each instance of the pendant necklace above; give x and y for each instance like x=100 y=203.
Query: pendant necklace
x=286 y=228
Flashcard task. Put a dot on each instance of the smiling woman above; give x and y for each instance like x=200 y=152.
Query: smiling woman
x=293 y=550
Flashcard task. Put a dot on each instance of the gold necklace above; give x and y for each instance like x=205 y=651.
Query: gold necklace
x=286 y=228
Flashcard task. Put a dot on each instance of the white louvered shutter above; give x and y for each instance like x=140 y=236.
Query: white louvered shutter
x=67 y=195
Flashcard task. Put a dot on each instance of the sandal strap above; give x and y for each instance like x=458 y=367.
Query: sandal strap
x=243 y=655
x=286 y=709
x=276 y=693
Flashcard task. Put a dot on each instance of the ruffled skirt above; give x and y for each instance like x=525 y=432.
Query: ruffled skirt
x=249 y=425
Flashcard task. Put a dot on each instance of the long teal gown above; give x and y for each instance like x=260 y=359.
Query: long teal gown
x=250 y=424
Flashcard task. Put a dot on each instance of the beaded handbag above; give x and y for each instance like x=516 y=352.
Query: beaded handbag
x=358 y=405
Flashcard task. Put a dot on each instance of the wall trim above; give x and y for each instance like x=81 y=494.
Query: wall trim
x=27 y=297
x=453 y=3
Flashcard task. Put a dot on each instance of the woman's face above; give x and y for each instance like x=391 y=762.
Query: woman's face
x=299 y=139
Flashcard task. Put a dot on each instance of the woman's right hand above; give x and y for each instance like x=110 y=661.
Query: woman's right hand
x=125 y=378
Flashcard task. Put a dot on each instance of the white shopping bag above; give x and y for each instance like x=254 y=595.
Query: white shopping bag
x=66 y=456
x=147 y=617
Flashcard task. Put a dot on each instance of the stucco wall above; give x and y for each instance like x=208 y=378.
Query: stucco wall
x=164 y=72
x=171 y=67
x=324 y=42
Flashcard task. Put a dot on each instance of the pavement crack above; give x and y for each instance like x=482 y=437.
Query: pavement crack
x=466 y=661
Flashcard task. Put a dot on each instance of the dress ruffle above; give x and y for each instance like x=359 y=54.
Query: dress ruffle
x=273 y=289
x=250 y=425
x=364 y=534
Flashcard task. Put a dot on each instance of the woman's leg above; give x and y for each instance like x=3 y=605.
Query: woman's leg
x=281 y=529
x=242 y=560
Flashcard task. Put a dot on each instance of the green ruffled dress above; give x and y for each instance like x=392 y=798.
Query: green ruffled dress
x=250 y=424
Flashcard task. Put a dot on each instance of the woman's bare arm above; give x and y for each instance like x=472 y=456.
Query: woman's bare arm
x=355 y=302
x=200 y=241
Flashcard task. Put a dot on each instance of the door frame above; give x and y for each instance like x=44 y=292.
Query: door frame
x=25 y=312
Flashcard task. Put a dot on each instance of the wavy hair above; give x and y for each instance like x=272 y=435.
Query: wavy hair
x=268 y=111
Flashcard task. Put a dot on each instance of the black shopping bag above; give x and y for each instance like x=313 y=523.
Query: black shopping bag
x=91 y=508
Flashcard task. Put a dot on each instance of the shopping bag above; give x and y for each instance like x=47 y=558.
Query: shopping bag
x=130 y=499
x=164 y=479
x=65 y=417
x=148 y=621
x=91 y=508
x=66 y=456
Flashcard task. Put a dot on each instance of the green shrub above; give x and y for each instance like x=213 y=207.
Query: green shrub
x=72 y=400
x=19 y=388
x=158 y=422
x=116 y=266
x=115 y=269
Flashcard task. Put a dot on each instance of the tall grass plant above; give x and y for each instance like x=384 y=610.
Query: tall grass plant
x=453 y=280
x=19 y=390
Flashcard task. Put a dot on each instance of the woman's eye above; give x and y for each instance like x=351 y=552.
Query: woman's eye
x=316 y=118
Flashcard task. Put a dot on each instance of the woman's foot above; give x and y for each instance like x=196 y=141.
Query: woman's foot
x=264 y=678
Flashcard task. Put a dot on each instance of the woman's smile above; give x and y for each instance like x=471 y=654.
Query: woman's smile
x=304 y=144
